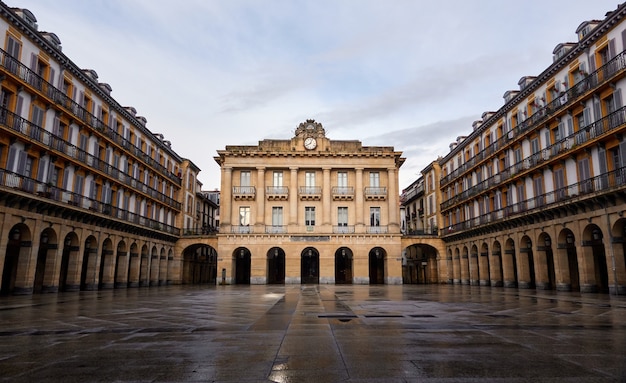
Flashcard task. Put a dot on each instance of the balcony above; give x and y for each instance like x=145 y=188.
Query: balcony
x=51 y=195
x=342 y=193
x=340 y=229
x=275 y=229
x=244 y=193
x=377 y=229
x=241 y=229
x=56 y=96
x=310 y=193
x=605 y=183
x=375 y=193
x=48 y=140
x=277 y=193
x=603 y=75
x=586 y=136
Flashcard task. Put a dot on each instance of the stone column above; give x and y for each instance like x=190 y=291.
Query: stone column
x=392 y=195
x=293 y=196
x=260 y=200
x=358 y=196
x=226 y=197
x=326 y=197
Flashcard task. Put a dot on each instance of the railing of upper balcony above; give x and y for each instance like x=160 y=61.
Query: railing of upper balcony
x=55 y=95
x=245 y=190
x=343 y=229
x=276 y=190
x=433 y=231
x=376 y=190
x=594 y=130
x=377 y=229
x=411 y=193
x=310 y=190
x=601 y=76
x=241 y=229
x=32 y=186
x=275 y=229
x=47 y=139
x=603 y=183
x=199 y=231
x=342 y=190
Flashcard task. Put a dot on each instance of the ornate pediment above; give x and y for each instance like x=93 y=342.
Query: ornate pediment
x=310 y=128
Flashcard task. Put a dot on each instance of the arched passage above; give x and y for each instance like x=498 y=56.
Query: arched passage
x=546 y=273
x=497 y=277
x=242 y=260
x=276 y=266
x=310 y=266
x=44 y=270
x=567 y=274
x=68 y=276
x=509 y=264
x=120 y=278
x=474 y=271
x=107 y=265
x=15 y=267
x=343 y=266
x=596 y=276
x=484 y=271
x=199 y=264
x=527 y=264
x=420 y=265
x=89 y=265
x=618 y=285
x=377 y=258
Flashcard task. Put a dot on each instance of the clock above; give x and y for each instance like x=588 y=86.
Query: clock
x=310 y=143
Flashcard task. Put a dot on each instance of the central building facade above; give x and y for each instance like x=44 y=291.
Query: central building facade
x=309 y=210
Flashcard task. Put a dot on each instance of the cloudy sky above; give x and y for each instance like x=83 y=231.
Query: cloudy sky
x=413 y=74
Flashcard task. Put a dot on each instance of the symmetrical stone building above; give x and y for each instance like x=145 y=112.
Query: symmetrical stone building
x=309 y=210
x=89 y=197
x=534 y=195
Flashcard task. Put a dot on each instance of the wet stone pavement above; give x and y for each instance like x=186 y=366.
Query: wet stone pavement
x=313 y=333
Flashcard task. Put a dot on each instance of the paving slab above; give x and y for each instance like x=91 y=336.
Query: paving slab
x=313 y=333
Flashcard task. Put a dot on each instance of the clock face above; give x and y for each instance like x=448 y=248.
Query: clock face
x=310 y=143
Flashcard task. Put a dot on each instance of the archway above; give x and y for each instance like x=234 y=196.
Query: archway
x=465 y=273
x=134 y=265
x=153 y=280
x=243 y=264
x=44 y=270
x=88 y=268
x=497 y=276
x=343 y=266
x=527 y=264
x=16 y=260
x=509 y=264
x=595 y=259
x=162 y=267
x=144 y=263
x=120 y=279
x=484 y=271
x=199 y=264
x=546 y=278
x=276 y=266
x=618 y=286
x=568 y=278
x=457 y=266
x=474 y=271
x=107 y=265
x=421 y=265
x=69 y=263
x=310 y=266
x=377 y=258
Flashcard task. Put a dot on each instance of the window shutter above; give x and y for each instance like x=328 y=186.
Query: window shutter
x=66 y=176
x=18 y=105
x=602 y=160
x=622 y=152
x=611 y=48
x=617 y=98
x=51 y=76
x=21 y=163
x=597 y=111
x=11 y=160
x=33 y=62
x=41 y=170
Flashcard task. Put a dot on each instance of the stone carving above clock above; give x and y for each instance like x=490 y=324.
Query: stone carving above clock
x=310 y=128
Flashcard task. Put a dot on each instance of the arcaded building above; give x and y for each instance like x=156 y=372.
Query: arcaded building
x=309 y=209
x=534 y=195
x=89 y=196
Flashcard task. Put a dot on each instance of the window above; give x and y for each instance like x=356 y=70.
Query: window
x=374 y=216
x=309 y=216
x=559 y=183
x=374 y=179
x=309 y=182
x=244 y=215
x=342 y=179
x=538 y=190
x=342 y=216
x=534 y=143
x=277 y=216
x=278 y=179
x=13 y=49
